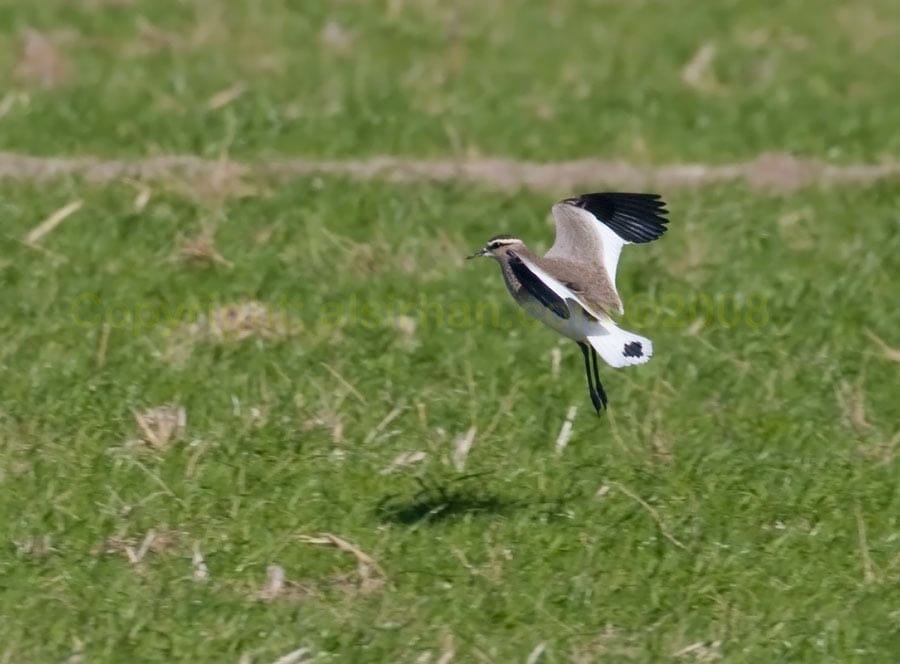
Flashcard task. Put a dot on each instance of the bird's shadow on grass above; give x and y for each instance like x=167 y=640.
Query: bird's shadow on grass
x=436 y=502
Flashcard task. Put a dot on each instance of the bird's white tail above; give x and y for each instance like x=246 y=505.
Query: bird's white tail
x=621 y=348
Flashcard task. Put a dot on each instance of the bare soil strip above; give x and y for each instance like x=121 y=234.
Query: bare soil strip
x=770 y=172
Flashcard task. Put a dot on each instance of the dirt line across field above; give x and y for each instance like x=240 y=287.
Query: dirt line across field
x=770 y=172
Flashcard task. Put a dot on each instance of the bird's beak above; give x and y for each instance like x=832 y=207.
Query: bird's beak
x=480 y=252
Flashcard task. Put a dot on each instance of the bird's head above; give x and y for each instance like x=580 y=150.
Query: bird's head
x=497 y=246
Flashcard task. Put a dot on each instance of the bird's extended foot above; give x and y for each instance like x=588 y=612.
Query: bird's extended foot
x=598 y=386
x=598 y=397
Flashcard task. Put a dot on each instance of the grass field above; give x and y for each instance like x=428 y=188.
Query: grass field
x=234 y=412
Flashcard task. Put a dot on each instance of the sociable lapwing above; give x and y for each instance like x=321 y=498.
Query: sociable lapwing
x=572 y=288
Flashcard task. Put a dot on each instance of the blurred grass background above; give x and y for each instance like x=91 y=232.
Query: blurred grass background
x=539 y=80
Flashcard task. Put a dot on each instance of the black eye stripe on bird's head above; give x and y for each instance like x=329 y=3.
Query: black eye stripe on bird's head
x=501 y=241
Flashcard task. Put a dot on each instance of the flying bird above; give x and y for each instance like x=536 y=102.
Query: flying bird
x=572 y=288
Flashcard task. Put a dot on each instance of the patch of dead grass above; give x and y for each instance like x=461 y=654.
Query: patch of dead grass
x=201 y=249
x=278 y=587
x=231 y=323
x=864 y=26
x=650 y=510
x=462 y=445
x=329 y=419
x=448 y=649
x=612 y=644
x=565 y=431
x=654 y=432
x=883 y=452
x=536 y=653
x=888 y=352
x=246 y=320
x=662 y=446
x=772 y=173
x=336 y=38
x=404 y=460
x=698 y=71
x=48 y=225
x=298 y=656
x=200 y=572
x=38 y=546
x=796 y=229
x=106 y=4
x=157 y=541
x=369 y=576
x=852 y=401
x=405 y=326
x=150 y=38
x=160 y=426
x=379 y=431
x=41 y=63
x=13 y=100
x=225 y=97
x=226 y=180
x=701 y=651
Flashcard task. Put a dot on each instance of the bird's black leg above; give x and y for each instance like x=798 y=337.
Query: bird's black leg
x=597 y=384
x=595 y=397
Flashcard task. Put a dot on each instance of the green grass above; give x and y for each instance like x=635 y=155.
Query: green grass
x=434 y=78
x=739 y=435
x=740 y=499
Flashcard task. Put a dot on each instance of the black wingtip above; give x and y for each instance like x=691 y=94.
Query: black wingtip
x=637 y=218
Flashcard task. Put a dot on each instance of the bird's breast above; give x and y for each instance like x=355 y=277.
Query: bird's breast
x=577 y=326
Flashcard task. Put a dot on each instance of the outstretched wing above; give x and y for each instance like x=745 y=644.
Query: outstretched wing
x=600 y=224
x=547 y=289
x=541 y=291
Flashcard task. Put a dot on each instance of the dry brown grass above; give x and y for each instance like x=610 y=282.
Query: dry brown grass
x=698 y=72
x=883 y=451
x=404 y=460
x=610 y=644
x=48 y=225
x=369 y=576
x=852 y=401
x=462 y=445
x=278 y=587
x=201 y=248
x=161 y=426
x=770 y=172
x=888 y=352
x=38 y=546
x=226 y=96
x=336 y=38
x=701 y=651
x=231 y=323
x=157 y=541
x=41 y=62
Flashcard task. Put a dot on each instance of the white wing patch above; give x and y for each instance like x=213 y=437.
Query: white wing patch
x=580 y=234
x=612 y=248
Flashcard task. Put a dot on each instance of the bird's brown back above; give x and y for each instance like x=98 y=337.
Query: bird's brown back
x=587 y=279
